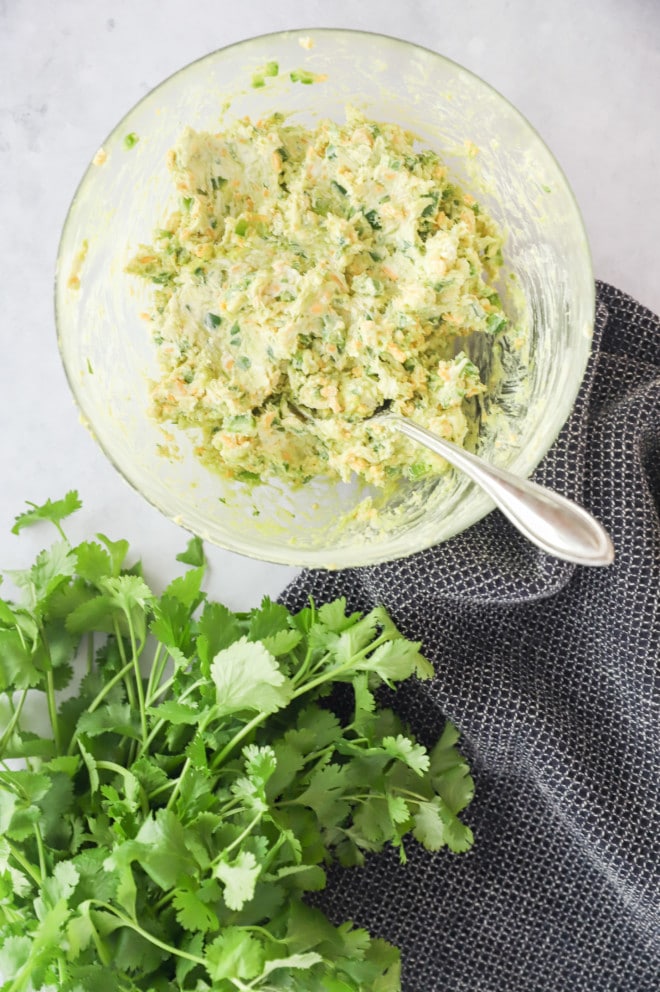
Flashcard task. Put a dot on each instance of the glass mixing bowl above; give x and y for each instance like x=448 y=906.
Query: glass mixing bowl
x=547 y=287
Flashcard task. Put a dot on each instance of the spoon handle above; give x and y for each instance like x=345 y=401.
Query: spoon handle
x=555 y=524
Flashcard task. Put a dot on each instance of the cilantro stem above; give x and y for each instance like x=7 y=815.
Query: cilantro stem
x=101 y=949
x=241 y=735
x=238 y=840
x=100 y=696
x=98 y=699
x=50 y=691
x=133 y=925
x=128 y=665
x=14 y=786
x=52 y=710
x=266 y=933
x=154 y=694
x=156 y=673
x=163 y=901
x=40 y=850
x=24 y=863
x=90 y=651
x=413 y=796
x=16 y=715
x=302 y=671
x=138 y=677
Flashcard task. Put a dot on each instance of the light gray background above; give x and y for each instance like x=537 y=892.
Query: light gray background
x=586 y=74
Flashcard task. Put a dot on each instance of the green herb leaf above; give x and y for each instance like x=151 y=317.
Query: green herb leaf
x=246 y=677
x=239 y=878
x=54 y=510
x=194 y=553
x=236 y=953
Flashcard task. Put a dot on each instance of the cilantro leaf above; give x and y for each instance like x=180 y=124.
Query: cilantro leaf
x=305 y=961
x=246 y=677
x=117 y=551
x=160 y=848
x=396 y=660
x=192 y=913
x=325 y=794
x=115 y=718
x=93 y=563
x=186 y=588
x=413 y=755
x=236 y=953
x=436 y=826
x=14 y=955
x=449 y=771
x=17 y=662
x=176 y=713
x=54 y=510
x=194 y=553
x=239 y=878
x=269 y=619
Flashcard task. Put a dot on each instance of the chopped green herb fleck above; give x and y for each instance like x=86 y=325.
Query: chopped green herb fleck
x=212 y=320
x=373 y=219
x=495 y=323
x=245 y=476
x=302 y=76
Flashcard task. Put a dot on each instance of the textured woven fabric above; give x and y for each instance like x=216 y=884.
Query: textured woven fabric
x=552 y=673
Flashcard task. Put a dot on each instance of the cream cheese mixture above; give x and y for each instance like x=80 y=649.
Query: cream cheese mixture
x=309 y=278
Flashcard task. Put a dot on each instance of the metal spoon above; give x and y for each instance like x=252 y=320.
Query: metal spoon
x=555 y=524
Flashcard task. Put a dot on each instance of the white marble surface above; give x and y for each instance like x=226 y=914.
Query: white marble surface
x=587 y=75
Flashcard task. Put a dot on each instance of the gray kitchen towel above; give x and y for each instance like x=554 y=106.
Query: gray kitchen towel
x=552 y=674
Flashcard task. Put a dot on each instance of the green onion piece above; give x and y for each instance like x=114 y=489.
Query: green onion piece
x=302 y=76
x=244 y=476
x=496 y=322
x=240 y=424
x=212 y=320
x=373 y=219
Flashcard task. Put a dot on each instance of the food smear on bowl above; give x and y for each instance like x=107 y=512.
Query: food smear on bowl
x=307 y=279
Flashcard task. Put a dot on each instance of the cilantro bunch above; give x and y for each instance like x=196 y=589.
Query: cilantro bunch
x=161 y=832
